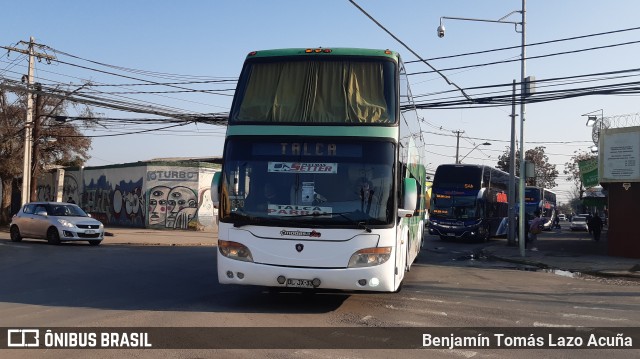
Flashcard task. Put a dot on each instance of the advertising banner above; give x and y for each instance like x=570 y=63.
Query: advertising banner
x=620 y=155
x=589 y=172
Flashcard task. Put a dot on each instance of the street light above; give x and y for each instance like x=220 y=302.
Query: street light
x=481 y=144
x=523 y=92
x=592 y=121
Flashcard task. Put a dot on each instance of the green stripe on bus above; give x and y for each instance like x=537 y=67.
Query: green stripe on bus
x=352 y=131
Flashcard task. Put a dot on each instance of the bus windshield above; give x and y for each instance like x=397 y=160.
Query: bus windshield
x=454 y=206
x=326 y=182
x=327 y=90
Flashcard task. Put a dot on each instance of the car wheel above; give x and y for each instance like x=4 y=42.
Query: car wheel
x=53 y=237
x=15 y=234
x=94 y=243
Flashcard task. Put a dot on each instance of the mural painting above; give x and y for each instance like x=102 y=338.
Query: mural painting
x=172 y=203
x=121 y=204
x=146 y=196
x=205 y=211
x=70 y=188
x=128 y=204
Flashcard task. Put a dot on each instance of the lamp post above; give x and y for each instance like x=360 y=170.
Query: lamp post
x=522 y=23
x=478 y=145
x=597 y=131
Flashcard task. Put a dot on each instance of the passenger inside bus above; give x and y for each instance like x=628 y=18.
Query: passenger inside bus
x=259 y=199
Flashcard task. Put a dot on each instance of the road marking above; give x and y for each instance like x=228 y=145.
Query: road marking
x=592 y=317
x=549 y=325
x=15 y=245
x=433 y=312
x=458 y=352
x=596 y=308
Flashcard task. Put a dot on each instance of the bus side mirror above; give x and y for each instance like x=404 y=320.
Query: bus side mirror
x=215 y=189
x=410 y=200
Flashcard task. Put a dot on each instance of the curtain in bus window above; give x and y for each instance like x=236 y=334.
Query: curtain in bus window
x=336 y=91
x=365 y=91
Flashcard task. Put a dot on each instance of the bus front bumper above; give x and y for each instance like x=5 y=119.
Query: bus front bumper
x=453 y=232
x=375 y=278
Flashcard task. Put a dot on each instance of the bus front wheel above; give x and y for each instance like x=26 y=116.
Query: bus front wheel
x=485 y=235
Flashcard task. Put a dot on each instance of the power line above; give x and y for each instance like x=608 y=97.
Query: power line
x=408 y=48
x=529 y=57
x=527 y=45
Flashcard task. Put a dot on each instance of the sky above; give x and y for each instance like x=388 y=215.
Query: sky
x=208 y=41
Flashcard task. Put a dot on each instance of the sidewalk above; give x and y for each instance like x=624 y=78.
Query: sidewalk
x=149 y=237
x=569 y=251
x=159 y=237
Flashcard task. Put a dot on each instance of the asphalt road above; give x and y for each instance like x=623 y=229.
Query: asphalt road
x=77 y=285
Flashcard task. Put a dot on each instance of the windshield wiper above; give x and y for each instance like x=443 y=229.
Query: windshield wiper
x=244 y=219
x=360 y=224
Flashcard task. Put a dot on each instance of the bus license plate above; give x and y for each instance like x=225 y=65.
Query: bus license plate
x=299 y=283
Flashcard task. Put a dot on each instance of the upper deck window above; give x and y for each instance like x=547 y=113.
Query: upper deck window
x=316 y=90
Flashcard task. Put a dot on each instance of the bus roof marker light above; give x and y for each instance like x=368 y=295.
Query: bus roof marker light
x=326 y=51
x=252 y=53
x=308 y=51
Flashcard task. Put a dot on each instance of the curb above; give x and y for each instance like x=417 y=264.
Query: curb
x=595 y=273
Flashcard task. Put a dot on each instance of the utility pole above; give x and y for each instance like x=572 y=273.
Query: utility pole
x=28 y=123
x=511 y=197
x=458 y=132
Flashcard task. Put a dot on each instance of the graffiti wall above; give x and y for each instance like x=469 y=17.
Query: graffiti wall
x=145 y=195
x=172 y=194
x=206 y=213
x=114 y=195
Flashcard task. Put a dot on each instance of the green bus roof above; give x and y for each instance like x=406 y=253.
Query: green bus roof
x=340 y=51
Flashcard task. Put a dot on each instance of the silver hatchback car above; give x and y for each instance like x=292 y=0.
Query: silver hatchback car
x=56 y=222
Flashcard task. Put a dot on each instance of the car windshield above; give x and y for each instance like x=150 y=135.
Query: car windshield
x=67 y=210
x=578 y=219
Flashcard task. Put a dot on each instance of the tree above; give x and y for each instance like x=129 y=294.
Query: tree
x=545 y=173
x=573 y=171
x=70 y=146
x=11 y=150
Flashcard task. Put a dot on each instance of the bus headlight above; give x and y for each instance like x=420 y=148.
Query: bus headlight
x=369 y=257
x=235 y=250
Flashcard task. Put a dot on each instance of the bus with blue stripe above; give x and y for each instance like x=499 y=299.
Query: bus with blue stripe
x=469 y=202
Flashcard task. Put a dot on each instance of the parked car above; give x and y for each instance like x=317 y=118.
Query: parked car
x=562 y=217
x=579 y=223
x=55 y=222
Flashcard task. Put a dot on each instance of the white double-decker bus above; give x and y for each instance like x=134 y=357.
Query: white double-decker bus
x=322 y=184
